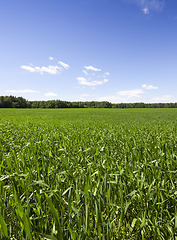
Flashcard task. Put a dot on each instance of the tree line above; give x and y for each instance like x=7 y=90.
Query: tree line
x=19 y=102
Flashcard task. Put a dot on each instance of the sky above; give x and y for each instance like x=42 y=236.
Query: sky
x=89 y=50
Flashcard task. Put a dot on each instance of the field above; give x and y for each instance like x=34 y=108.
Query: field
x=88 y=174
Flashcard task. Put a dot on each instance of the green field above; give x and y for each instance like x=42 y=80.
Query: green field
x=88 y=174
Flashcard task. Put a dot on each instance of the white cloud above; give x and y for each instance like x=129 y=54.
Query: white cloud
x=149 y=87
x=131 y=93
x=113 y=99
x=28 y=68
x=85 y=71
x=65 y=65
x=106 y=73
x=146 y=5
x=50 y=58
x=50 y=94
x=156 y=5
x=163 y=98
x=50 y=69
x=92 y=68
x=124 y=98
x=22 y=91
x=83 y=81
x=145 y=10
x=82 y=99
x=105 y=80
x=89 y=81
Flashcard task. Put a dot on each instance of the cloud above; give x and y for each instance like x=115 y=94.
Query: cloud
x=163 y=98
x=92 y=68
x=146 y=5
x=82 y=99
x=65 y=65
x=83 y=81
x=105 y=80
x=145 y=10
x=124 y=97
x=149 y=87
x=156 y=5
x=112 y=99
x=22 y=91
x=50 y=94
x=131 y=93
x=106 y=73
x=50 y=69
x=85 y=71
x=28 y=68
x=89 y=81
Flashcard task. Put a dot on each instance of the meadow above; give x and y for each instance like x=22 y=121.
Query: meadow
x=88 y=174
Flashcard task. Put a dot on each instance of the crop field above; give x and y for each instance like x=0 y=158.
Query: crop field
x=88 y=174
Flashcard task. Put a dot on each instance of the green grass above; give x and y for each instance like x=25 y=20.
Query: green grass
x=88 y=174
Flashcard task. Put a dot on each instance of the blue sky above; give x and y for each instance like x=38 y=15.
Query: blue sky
x=85 y=50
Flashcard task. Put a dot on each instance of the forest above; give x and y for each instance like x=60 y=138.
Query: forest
x=20 y=102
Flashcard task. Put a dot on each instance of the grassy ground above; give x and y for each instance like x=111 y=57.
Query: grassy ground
x=88 y=173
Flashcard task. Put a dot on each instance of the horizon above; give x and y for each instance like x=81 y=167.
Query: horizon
x=81 y=101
